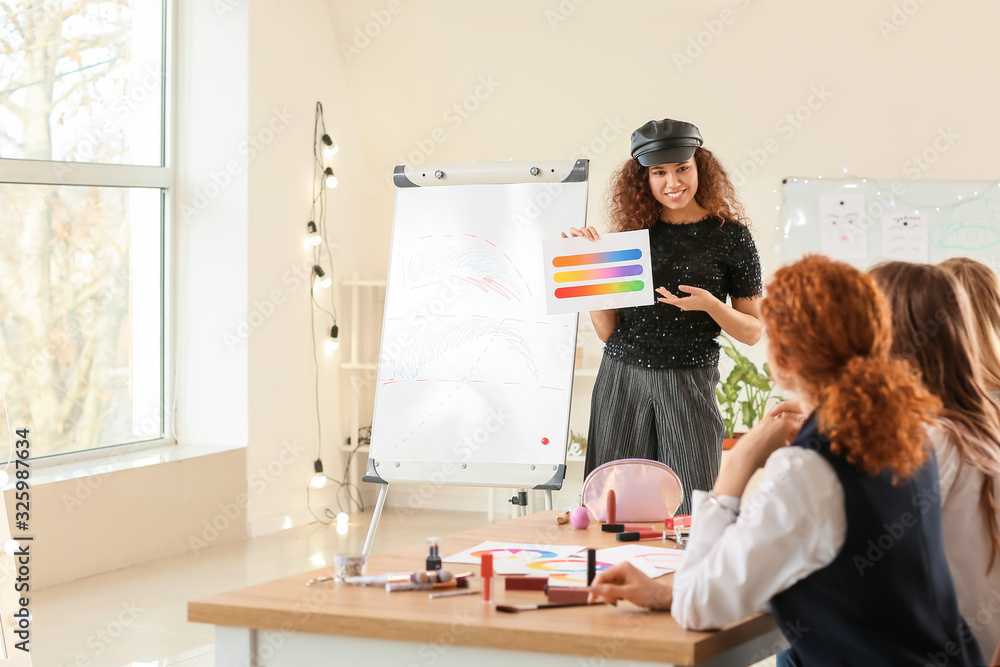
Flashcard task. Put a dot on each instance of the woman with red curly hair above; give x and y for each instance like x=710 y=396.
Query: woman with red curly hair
x=934 y=329
x=837 y=539
x=654 y=396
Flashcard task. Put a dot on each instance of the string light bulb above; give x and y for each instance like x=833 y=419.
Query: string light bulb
x=313 y=237
x=11 y=547
x=331 y=180
x=332 y=343
x=343 y=518
x=318 y=480
x=322 y=280
x=329 y=148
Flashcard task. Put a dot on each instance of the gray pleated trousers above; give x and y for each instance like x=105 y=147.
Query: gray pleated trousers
x=664 y=414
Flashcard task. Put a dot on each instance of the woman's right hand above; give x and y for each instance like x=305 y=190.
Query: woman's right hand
x=788 y=410
x=626 y=582
x=589 y=232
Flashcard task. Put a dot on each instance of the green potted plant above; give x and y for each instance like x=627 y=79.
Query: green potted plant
x=744 y=395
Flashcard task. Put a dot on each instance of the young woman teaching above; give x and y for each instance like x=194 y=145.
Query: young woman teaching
x=834 y=539
x=654 y=396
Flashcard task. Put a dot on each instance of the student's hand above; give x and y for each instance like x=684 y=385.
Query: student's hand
x=625 y=582
x=588 y=232
x=699 y=299
x=773 y=432
x=788 y=410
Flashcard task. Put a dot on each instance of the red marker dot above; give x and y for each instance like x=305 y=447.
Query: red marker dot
x=545 y=441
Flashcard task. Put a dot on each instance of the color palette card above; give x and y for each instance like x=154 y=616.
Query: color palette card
x=512 y=557
x=612 y=272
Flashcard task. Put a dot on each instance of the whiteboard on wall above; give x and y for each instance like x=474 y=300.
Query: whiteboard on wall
x=863 y=221
x=474 y=379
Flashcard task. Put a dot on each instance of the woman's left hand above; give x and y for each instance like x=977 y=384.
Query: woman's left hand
x=700 y=299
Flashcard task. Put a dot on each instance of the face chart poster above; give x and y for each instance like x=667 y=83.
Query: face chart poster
x=612 y=272
x=906 y=238
x=843 y=226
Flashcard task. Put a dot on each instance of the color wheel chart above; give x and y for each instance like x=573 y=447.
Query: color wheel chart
x=612 y=272
x=565 y=571
x=513 y=557
x=654 y=561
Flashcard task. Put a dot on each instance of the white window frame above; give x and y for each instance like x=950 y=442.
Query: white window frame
x=51 y=172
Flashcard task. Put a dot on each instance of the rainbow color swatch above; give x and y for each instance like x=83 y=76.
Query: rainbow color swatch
x=598 y=258
x=598 y=274
x=600 y=288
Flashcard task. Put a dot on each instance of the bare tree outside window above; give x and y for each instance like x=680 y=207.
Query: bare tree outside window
x=80 y=265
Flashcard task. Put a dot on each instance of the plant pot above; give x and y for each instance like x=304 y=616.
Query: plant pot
x=729 y=443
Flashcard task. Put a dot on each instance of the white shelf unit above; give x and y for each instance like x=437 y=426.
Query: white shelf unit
x=367 y=300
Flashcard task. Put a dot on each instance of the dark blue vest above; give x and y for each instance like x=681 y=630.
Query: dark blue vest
x=887 y=599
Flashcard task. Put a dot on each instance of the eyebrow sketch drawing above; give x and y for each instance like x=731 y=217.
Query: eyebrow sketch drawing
x=437 y=344
x=904 y=237
x=480 y=268
x=971 y=225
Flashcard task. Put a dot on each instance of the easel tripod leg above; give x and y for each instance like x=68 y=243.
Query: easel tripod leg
x=379 y=504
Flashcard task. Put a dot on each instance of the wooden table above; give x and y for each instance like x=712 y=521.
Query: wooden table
x=284 y=622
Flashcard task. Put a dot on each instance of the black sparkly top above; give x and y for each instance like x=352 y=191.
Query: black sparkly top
x=719 y=257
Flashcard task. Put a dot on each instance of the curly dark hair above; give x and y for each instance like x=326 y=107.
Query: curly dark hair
x=631 y=204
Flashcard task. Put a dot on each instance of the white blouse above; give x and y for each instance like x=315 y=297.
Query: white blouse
x=967 y=543
x=790 y=526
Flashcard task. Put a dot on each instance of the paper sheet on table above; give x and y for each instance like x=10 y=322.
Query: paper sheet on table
x=905 y=238
x=652 y=561
x=843 y=226
x=612 y=272
x=512 y=557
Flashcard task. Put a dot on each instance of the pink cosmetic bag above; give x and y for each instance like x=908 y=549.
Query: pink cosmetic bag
x=644 y=490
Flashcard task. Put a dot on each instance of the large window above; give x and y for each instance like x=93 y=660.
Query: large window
x=83 y=190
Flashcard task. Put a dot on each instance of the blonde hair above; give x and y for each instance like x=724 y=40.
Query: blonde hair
x=983 y=287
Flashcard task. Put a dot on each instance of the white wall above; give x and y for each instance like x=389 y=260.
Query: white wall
x=294 y=62
x=210 y=229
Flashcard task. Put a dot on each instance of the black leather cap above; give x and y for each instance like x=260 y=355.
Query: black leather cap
x=664 y=142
